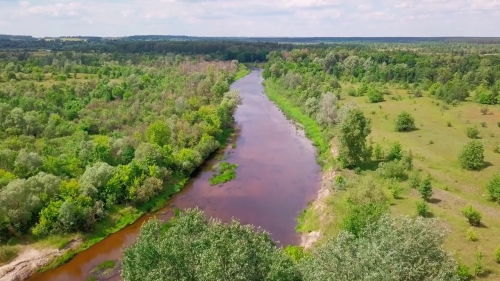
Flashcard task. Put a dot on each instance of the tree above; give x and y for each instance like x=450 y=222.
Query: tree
x=405 y=122
x=95 y=178
x=354 y=127
x=472 y=155
x=192 y=247
x=27 y=163
x=493 y=187
x=390 y=249
x=425 y=189
x=327 y=113
x=22 y=199
x=158 y=133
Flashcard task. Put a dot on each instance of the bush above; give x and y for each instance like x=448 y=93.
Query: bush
x=497 y=255
x=390 y=249
x=471 y=235
x=374 y=96
x=472 y=133
x=426 y=189
x=405 y=122
x=493 y=187
x=392 y=170
x=463 y=272
x=423 y=209
x=478 y=265
x=414 y=180
x=472 y=156
x=472 y=215
x=395 y=152
x=8 y=253
x=496 y=149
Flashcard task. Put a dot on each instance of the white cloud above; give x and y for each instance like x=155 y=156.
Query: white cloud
x=252 y=18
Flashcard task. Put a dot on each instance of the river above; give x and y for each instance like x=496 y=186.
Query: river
x=276 y=178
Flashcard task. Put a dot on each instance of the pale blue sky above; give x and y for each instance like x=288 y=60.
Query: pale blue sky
x=251 y=18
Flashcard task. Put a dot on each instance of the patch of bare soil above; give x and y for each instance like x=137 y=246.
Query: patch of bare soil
x=29 y=260
x=319 y=205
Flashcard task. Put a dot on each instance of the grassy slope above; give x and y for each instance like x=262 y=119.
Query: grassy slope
x=438 y=159
x=119 y=217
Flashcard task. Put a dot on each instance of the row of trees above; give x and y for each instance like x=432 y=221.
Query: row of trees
x=71 y=150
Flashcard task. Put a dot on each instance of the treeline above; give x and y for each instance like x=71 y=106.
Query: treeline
x=212 y=50
x=95 y=133
x=449 y=77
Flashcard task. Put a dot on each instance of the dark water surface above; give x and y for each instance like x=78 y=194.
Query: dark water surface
x=277 y=176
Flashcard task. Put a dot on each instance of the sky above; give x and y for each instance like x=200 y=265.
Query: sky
x=252 y=18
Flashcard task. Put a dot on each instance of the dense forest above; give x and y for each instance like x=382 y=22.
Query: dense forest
x=81 y=134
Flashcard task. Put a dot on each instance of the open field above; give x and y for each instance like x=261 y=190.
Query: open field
x=435 y=147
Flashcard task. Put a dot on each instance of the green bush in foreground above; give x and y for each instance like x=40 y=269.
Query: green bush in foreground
x=423 y=209
x=472 y=156
x=405 y=122
x=415 y=248
x=193 y=247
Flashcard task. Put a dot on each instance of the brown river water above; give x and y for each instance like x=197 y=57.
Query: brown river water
x=276 y=178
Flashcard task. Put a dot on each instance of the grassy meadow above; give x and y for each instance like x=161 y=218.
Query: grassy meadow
x=440 y=136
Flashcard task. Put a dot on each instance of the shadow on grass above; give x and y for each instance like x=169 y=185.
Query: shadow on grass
x=371 y=165
x=434 y=201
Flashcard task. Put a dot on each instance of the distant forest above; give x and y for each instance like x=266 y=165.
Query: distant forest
x=243 y=49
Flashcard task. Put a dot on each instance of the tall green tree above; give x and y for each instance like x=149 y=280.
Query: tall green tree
x=192 y=247
x=354 y=127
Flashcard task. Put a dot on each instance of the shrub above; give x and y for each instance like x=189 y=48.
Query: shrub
x=351 y=92
x=392 y=170
x=426 y=189
x=493 y=187
x=340 y=182
x=484 y=125
x=378 y=152
x=478 y=265
x=497 y=255
x=472 y=133
x=414 y=180
x=395 y=152
x=422 y=209
x=463 y=272
x=390 y=249
x=405 y=122
x=496 y=149
x=374 y=96
x=472 y=156
x=396 y=190
x=8 y=253
x=472 y=215
x=471 y=235
x=449 y=124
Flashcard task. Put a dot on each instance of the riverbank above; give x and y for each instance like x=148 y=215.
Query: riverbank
x=39 y=255
x=316 y=216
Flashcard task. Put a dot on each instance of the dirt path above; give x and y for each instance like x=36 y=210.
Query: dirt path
x=29 y=260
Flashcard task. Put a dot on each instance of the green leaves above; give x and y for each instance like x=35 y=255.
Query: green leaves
x=196 y=248
x=354 y=127
x=472 y=156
